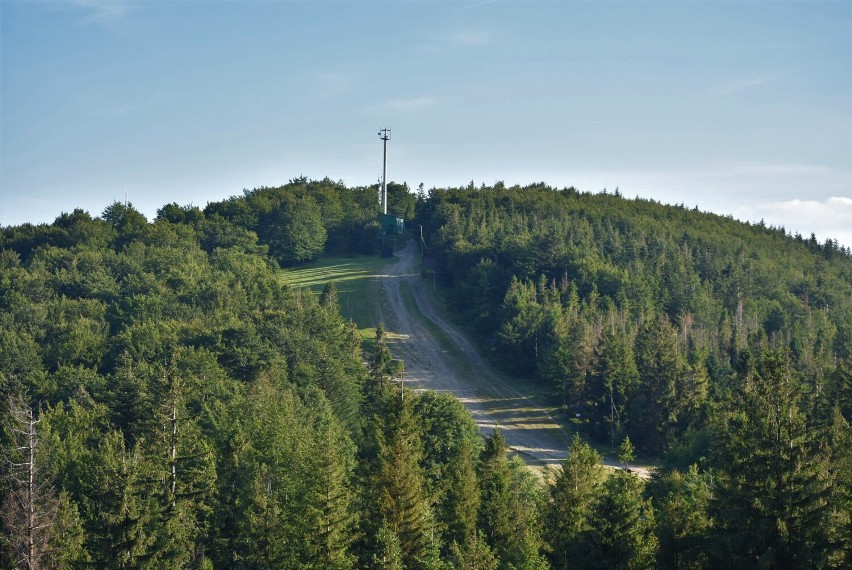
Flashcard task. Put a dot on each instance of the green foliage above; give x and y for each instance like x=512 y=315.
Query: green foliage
x=682 y=505
x=198 y=412
x=568 y=512
x=633 y=313
x=451 y=443
x=403 y=502
x=626 y=452
x=473 y=554
x=771 y=503
x=621 y=533
x=613 y=380
x=510 y=507
x=294 y=231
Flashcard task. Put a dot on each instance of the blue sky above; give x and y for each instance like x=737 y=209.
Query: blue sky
x=738 y=107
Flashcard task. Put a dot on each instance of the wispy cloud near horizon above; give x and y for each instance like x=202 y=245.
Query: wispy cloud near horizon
x=102 y=11
x=471 y=38
x=830 y=218
x=483 y=3
x=746 y=83
x=415 y=104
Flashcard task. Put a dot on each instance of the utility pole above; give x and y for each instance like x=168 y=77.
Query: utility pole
x=384 y=134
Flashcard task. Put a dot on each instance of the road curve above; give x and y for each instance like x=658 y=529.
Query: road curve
x=438 y=356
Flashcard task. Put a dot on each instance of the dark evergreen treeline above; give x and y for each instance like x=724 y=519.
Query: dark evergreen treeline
x=725 y=347
x=638 y=315
x=176 y=406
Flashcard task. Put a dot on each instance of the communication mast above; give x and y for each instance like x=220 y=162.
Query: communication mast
x=384 y=134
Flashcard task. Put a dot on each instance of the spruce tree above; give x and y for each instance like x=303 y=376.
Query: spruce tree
x=329 y=299
x=387 y=551
x=773 y=483
x=613 y=377
x=462 y=498
x=621 y=527
x=183 y=463
x=40 y=529
x=571 y=499
x=495 y=515
x=473 y=554
x=329 y=493
x=681 y=502
x=656 y=402
x=403 y=502
x=510 y=507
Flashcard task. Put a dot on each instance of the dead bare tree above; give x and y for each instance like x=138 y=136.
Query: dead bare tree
x=29 y=510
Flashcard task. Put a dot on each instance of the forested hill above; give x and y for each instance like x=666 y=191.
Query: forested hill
x=641 y=316
x=176 y=405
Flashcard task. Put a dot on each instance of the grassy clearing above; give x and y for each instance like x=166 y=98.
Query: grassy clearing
x=356 y=282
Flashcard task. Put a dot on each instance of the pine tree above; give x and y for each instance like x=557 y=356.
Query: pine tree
x=387 y=551
x=329 y=494
x=380 y=367
x=293 y=462
x=626 y=452
x=127 y=510
x=841 y=500
x=462 y=498
x=655 y=403
x=495 y=515
x=183 y=464
x=329 y=299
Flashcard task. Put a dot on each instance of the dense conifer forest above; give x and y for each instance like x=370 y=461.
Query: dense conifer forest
x=168 y=402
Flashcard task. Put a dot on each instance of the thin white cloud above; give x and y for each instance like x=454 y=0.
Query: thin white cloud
x=830 y=218
x=415 y=104
x=442 y=42
x=471 y=38
x=742 y=84
x=101 y=11
x=483 y=3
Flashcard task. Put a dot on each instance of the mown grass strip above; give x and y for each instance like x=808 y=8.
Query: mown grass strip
x=356 y=282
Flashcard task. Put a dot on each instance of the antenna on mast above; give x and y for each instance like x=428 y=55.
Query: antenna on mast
x=384 y=134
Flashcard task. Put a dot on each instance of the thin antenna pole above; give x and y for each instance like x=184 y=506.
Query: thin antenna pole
x=384 y=134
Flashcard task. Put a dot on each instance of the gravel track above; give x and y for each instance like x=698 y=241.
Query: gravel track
x=438 y=356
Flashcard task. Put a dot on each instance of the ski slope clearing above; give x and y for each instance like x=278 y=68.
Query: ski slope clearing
x=438 y=356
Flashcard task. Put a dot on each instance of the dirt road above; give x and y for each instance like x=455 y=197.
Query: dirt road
x=439 y=357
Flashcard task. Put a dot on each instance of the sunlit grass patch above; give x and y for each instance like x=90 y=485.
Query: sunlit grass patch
x=356 y=279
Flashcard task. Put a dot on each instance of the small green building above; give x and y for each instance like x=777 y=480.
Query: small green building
x=391 y=224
